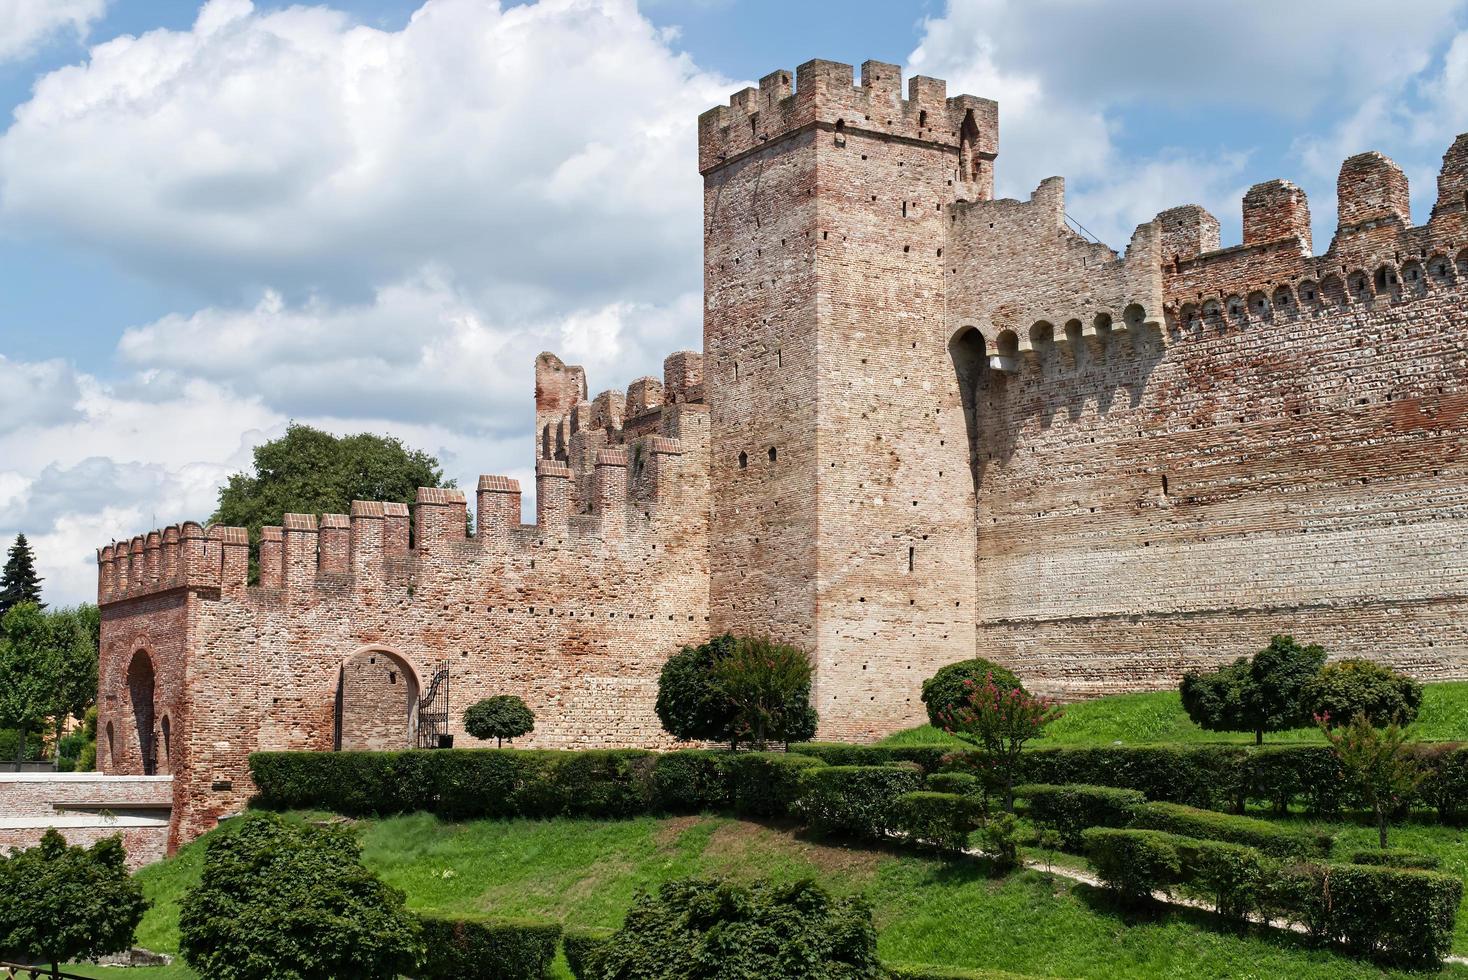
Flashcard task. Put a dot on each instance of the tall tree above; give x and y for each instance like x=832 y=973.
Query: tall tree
x=29 y=668
x=73 y=639
x=308 y=471
x=19 y=581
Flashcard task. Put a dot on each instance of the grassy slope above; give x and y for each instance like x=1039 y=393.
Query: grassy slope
x=1158 y=717
x=585 y=872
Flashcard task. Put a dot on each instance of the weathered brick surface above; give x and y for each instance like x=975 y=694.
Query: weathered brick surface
x=85 y=808
x=925 y=424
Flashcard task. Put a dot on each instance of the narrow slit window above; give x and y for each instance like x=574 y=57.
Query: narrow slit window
x=911 y=553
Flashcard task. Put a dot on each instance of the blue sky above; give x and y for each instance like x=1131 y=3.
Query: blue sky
x=371 y=214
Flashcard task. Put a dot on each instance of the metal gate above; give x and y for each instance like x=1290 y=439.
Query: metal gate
x=433 y=712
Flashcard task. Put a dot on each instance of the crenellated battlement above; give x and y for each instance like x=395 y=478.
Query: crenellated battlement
x=825 y=96
x=1376 y=256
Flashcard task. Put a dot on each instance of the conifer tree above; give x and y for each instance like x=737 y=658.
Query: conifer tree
x=19 y=581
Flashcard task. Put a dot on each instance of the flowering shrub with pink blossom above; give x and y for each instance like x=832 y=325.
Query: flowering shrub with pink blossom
x=999 y=720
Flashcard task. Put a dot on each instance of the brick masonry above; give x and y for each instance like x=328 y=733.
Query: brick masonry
x=86 y=807
x=925 y=425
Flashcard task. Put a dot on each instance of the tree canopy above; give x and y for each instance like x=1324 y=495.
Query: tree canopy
x=1262 y=694
x=280 y=900
x=949 y=688
x=30 y=668
x=61 y=903
x=737 y=689
x=308 y=471
x=1348 y=688
x=500 y=717
x=18 y=580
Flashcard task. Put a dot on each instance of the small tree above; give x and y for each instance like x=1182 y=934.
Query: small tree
x=1347 y=688
x=691 y=705
x=708 y=930
x=61 y=903
x=292 y=901
x=30 y=687
x=1259 y=695
x=500 y=717
x=18 y=580
x=999 y=721
x=948 y=689
x=767 y=684
x=1379 y=761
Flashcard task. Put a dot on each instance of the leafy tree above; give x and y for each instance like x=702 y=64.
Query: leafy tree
x=500 y=717
x=1259 y=695
x=999 y=720
x=712 y=930
x=29 y=670
x=73 y=635
x=19 y=581
x=60 y=903
x=308 y=471
x=768 y=686
x=1380 y=762
x=1350 y=687
x=690 y=704
x=292 y=901
x=948 y=688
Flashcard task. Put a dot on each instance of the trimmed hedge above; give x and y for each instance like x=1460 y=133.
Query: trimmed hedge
x=860 y=801
x=690 y=781
x=930 y=758
x=581 y=946
x=962 y=783
x=765 y=784
x=1446 y=785
x=1400 y=914
x=942 y=820
x=460 y=947
x=1396 y=858
x=1133 y=863
x=1270 y=838
x=1210 y=776
x=1071 y=810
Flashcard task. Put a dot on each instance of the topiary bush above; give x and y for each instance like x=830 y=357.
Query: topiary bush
x=1259 y=694
x=292 y=901
x=859 y=801
x=1446 y=785
x=690 y=704
x=501 y=717
x=1070 y=810
x=1234 y=877
x=766 y=784
x=930 y=758
x=1307 y=774
x=691 y=781
x=1343 y=689
x=1394 y=857
x=456 y=947
x=962 y=783
x=948 y=689
x=939 y=820
x=710 y=930
x=1133 y=863
x=1207 y=776
x=1268 y=837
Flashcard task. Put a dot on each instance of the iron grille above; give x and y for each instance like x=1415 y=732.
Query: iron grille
x=433 y=711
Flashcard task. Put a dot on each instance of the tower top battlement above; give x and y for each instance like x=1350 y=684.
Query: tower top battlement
x=825 y=95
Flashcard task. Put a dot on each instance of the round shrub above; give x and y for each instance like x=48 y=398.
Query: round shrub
x=706 y=930
x=946 y=690
x=500 y=717
x=690 y=704
x=1349 y=687
x=288 y=901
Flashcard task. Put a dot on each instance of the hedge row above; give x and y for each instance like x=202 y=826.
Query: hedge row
x=1272 y=839
x=473 y=783
x=1217 y=777
x=468 y=947
x=1401 y=914
x=858 y=801
x=1071 y=810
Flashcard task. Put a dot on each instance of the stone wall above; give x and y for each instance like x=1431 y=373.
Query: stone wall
x=85 y=807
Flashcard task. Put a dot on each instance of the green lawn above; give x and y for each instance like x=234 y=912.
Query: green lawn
x=585 y=872
x=1158 y=716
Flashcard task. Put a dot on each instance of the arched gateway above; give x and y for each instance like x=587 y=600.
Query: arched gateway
x=376 y=701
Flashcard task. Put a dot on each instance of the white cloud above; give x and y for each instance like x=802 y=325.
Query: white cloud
x=544 y=153
x=35 y=393
x=26 y=24
x=1066 y=71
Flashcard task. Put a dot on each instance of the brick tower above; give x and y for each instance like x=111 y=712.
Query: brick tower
x=842 y=498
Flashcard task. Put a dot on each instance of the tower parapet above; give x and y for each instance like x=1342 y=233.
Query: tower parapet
x=825 y=97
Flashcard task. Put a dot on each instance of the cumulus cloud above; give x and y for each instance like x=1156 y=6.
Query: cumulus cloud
x=26 y=24
x=297 y=150
x=1066 y=71
x=36 y=393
